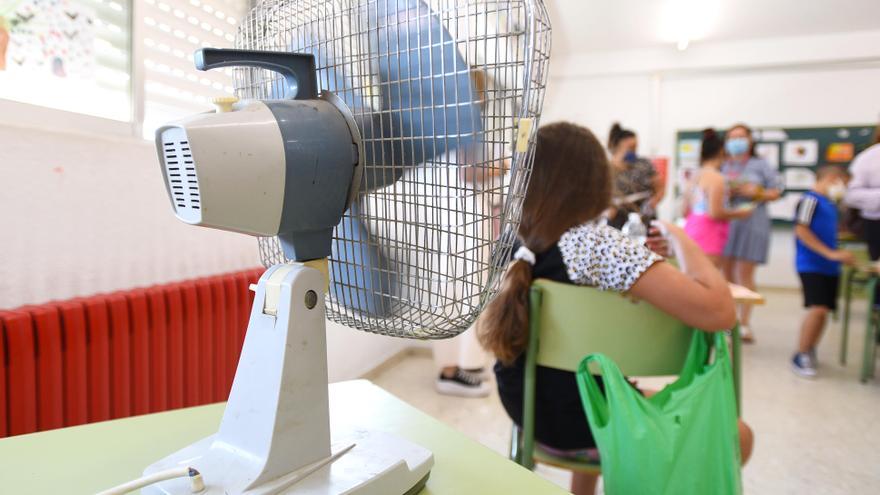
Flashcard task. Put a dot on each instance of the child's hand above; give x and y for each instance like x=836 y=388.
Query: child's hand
x=657 y=241
x=843 y=256
x=744 y=190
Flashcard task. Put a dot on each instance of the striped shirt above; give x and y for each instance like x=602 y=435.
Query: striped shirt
x=819 y=214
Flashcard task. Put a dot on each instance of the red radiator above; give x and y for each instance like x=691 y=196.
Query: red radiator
x=122 y=354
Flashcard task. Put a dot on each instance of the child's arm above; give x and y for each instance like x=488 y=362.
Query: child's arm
x=816 y=245
x=697 y=294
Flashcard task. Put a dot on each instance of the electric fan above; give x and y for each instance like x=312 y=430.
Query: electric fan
x=390 y=137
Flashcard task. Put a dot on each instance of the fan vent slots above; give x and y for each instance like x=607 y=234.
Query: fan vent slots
x=180 y=172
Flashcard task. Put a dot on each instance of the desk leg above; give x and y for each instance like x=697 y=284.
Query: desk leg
x=868 y=353
x=844 y=327
x=737 y=372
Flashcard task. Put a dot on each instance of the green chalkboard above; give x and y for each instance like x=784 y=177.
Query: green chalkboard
x=797 y=152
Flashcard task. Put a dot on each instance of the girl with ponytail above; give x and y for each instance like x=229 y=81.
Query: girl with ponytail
x=560 y=239
x=709 y=212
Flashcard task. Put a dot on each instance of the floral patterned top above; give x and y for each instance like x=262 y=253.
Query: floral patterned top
x=637 y=177
x=589 y=254
x=595 y=255
x=602 y=257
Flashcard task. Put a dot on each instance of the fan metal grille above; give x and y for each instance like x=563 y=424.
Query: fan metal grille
x=448 y=225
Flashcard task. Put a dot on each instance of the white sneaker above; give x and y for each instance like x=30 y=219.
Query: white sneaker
x=802 y=365
x=462 y=384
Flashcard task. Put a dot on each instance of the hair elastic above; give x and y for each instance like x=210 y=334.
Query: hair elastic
x=525 y=254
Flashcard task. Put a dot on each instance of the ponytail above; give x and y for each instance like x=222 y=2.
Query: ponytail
x=570 y=184
x=503 y=328
x=618 y=134
x=712 y=145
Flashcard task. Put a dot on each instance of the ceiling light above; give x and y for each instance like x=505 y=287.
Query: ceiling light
x=685 y=21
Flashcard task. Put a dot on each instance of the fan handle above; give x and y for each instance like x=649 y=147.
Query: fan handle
x=298 y=69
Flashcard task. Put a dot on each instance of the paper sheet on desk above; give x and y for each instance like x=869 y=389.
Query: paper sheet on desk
x=784 y=207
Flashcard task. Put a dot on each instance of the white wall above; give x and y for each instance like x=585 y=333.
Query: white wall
x=86 y=213
x=813 y=81
x=83 y=215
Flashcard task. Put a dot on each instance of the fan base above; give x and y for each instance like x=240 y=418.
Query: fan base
x=376 y=464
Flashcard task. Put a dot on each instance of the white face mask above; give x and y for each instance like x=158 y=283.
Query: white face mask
x=836 y=191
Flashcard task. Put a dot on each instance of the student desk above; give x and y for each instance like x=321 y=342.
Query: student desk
x=86 y=459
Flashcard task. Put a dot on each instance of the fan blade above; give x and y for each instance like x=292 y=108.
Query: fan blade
x=429 y=108
x=362 y=276
x=429 y=104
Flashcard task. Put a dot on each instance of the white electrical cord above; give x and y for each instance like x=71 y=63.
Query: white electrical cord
x=197 y=484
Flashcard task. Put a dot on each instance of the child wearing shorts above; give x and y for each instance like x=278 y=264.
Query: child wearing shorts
x=818 y=261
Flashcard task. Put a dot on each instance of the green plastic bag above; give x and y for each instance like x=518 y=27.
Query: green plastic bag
x=683 y=440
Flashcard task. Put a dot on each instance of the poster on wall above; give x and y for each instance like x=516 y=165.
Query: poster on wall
x=801 y=152
x=769 y=152
x=784 y=208
x=770 y=135
x=840 y=152
x=50 y=36
x=799 y=178
x=689 y=153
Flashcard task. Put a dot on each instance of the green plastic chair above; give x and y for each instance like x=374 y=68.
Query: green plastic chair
x=851 y=278
x=567 y=322
x=869 y=351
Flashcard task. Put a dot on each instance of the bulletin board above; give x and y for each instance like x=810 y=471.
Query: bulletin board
x=797 y=152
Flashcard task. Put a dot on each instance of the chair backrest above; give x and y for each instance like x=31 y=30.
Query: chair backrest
x=574 y=321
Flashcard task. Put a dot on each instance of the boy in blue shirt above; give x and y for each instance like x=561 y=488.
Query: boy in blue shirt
x=818 y=260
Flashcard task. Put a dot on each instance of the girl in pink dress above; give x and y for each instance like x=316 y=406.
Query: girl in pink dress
x=709 y=215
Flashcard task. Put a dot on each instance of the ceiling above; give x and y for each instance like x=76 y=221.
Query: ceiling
x=605 y=25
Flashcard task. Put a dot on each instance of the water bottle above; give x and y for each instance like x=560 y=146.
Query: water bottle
x=635 y=229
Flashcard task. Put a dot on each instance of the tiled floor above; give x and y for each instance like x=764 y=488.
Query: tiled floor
x=812 y=437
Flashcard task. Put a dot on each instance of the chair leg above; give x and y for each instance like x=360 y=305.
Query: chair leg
x=869 y=350
x=844 y=327
x=515 y=448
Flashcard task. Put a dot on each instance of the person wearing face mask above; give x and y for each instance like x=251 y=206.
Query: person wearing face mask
x=637 y=186
x=751 y=180
x=818 y=261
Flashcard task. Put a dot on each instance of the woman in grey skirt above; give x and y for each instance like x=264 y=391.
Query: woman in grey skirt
x=751 y=179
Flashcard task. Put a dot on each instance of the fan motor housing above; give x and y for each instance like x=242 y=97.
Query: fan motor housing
x=276 y=167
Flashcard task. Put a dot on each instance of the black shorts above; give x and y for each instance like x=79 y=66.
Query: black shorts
x=820 y=289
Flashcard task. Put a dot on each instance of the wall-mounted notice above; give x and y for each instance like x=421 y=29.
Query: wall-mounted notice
x=840 y=152
x=784 y=208
x=770 y=135
x=799 y=178
x=802 y=152
x=769 y=152
x=689 y=153
x=57 y=36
